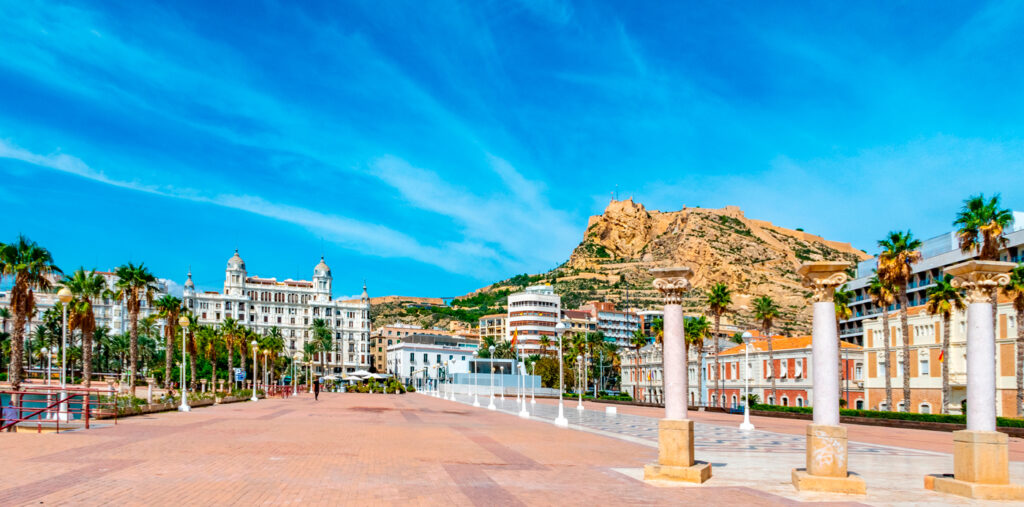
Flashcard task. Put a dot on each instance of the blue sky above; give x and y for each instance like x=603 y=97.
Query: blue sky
x=433 y=147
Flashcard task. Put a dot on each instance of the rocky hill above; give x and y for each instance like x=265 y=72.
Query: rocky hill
x=753 y=257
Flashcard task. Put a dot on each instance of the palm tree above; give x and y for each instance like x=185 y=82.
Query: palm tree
x=273 y=342
x=134 y=283
x=231 y=332
x=322 y=338
x=102 y=340
x=5 y=315
x=190 y=344
x=696 y=331
x=85 y=287
x=981 y=224
x=766 y=311
x=719 y=299
x=884 y=295
x=899 y=253
x=1015 y=291
x=545 y=342
x=943 y=299
x=32 y=268
x=841 y=299
x=637 y=341
x=169 y=307
x=208 y=339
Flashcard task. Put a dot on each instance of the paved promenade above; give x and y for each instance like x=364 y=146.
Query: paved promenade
x=413 y=449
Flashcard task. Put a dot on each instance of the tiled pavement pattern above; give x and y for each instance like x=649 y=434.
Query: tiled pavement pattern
x=352 y=449
x=707 y=436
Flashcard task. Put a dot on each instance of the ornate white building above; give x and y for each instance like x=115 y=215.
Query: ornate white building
x=290 y=305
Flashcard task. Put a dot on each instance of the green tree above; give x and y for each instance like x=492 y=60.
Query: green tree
x=169 y=309
x=85 y=287
x=1015 y=291
x=134 y=284
x=231 y=333
x=322 y=338
x=766 y=311
x=943 y=299
x=719 y=299
x=32 y=268
x=895 y=264
x=884 y=295
x=696 y=331
x=981 y=224
x=208 y=341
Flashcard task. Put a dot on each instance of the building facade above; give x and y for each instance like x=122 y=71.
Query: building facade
x=533 y=313
x=422 y=355
x=493 y=327
x=617 y=326
x=109 y=313
x=925 y=333
x=291 y=306
x=937 y=253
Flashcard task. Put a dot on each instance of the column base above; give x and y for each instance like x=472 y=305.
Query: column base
x=849 y=485
x=948 y=484
x=697 y=473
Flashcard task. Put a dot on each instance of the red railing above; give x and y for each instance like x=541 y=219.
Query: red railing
x=278 y=391
x=52 y=406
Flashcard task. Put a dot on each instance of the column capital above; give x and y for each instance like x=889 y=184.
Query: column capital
x=978 y=278
x=823 y=277
x=672 y=283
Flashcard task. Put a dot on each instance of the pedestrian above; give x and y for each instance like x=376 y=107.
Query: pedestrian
x=316 y=391
x=10 y=415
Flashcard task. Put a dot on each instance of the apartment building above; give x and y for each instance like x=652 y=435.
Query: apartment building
x=617 y=326
x=533 y=313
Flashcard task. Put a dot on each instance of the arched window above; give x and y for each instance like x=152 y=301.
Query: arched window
x=799 y=401
x=785 y=401
x=924 y=408
x=859 y=404
x=734 y=400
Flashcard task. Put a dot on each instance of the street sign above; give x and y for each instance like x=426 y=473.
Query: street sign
x=239 y=374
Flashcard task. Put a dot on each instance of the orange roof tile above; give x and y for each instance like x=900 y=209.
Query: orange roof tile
x=780 y=343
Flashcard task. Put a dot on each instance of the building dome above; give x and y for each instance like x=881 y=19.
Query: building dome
x=322 y=269
x=236 y=262
x=188 y=283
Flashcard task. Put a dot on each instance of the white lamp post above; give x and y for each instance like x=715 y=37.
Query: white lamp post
x=183 y=322
x=65 y=297
x=491 y=359
x=525 y=414
x=579 y=364
x=746 y=426
x=533 y=371
x=560 y=421
x=476 y=399
x=254 y=367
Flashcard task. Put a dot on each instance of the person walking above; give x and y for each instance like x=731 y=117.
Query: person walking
x=316 y=391
x=10 y=415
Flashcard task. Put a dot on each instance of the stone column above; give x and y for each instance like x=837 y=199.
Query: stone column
x=675 y=431
x=203 y=383
x=981 y=460
x=150 y=381
x=826 y=440
x=220 y=384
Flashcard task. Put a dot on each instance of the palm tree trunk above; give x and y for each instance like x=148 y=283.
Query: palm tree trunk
x=133 y=349
x=1020 y=362
x=191 y=358
x=718 y=366
x=87 y=358
x=906 y=347
x=888 y=356
x=17 y=349
x=231 y=370
x=169 y=353
x=945 y=363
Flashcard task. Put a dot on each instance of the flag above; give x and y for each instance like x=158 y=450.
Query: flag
x=515 y=337
x=942 y=355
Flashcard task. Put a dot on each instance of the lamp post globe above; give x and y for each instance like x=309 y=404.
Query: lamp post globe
x=476 y=399
x=491 y=357
x=579 y=364
x=183 y=407
x=746 y=425
x=254 y=366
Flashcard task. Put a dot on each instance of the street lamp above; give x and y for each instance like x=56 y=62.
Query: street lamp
x=183 y=322
x=746 y=426
x=560 y=420
x=64 y=294
x=579 y=364
x=491 y=361
x=295 y=376
x=254 y=366
x=476 y=399
x=520 y=369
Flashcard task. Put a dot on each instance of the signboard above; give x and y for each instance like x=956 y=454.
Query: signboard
x=239 y=374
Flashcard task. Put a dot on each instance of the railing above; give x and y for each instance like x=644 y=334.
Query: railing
x=51 y=406
x=278 y=391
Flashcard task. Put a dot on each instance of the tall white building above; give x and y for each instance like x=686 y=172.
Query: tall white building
x=290 y=305
x=109 y=313
x=532 y=314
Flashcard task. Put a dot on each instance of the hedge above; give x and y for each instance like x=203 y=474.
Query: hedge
x=904 y=416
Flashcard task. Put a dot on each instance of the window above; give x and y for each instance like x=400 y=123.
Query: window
x=785 y=401
x=860 y=404
x=924 y=408
x=923 y=370
x=425 y=360
x=858 y=372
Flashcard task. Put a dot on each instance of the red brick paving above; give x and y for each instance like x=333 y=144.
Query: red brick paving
x=345 y=449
